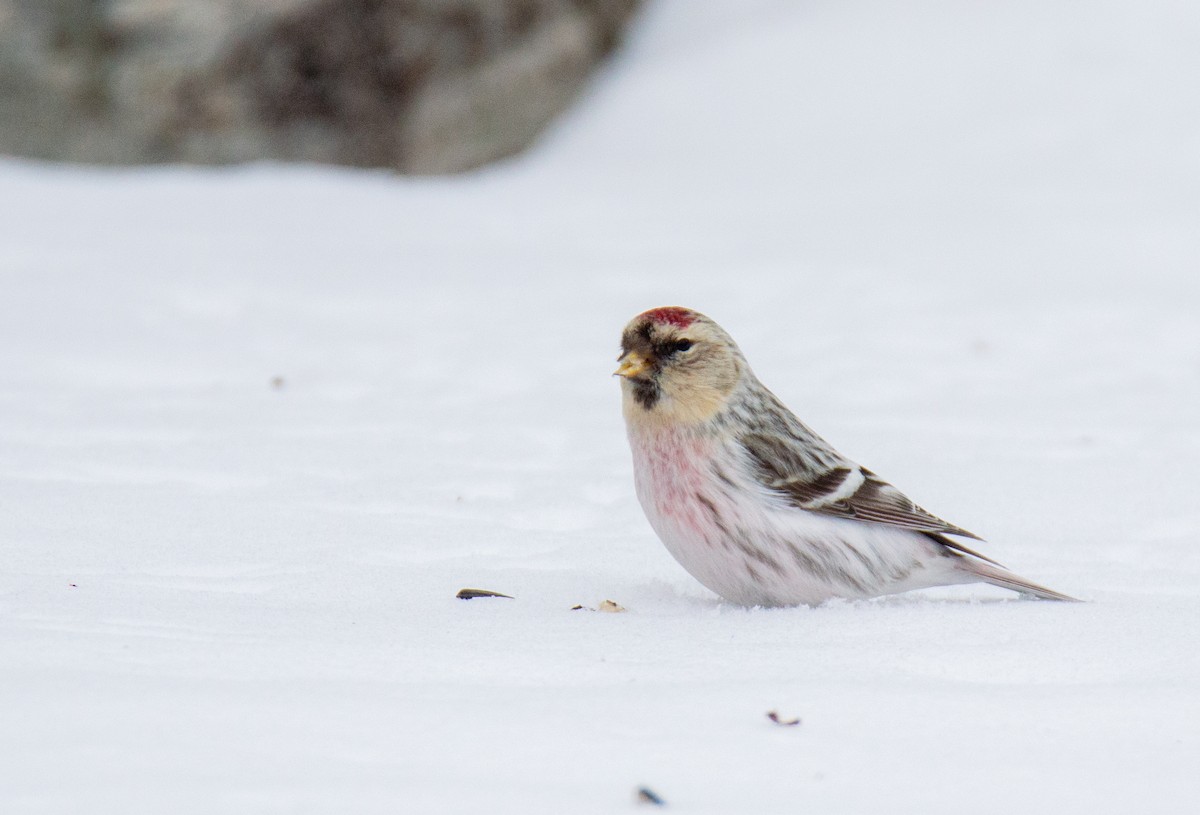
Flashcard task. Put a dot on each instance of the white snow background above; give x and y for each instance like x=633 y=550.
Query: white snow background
x=962 y=241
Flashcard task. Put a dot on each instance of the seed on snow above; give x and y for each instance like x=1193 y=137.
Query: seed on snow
x=471 y=594
x=645 y=795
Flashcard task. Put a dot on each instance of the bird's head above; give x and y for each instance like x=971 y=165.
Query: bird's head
x=677 y=366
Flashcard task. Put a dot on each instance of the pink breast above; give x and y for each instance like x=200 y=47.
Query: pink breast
x=677 y=470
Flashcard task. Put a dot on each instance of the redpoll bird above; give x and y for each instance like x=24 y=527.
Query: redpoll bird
x=756 y=506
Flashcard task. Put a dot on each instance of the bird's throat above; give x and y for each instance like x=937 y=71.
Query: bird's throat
x=649 y=405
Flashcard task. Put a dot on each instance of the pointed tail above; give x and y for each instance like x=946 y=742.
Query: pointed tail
x=999 y=576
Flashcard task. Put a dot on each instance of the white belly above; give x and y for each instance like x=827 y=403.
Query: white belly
x=748 y=546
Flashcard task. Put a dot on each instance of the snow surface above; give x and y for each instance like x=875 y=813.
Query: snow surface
x=962 y=241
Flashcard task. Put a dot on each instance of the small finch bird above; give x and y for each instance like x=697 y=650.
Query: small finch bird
x=752 y=503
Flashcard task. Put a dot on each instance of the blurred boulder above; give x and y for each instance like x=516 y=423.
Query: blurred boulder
x=422 y=86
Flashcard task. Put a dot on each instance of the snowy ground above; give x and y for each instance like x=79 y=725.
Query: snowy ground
x=961 y=240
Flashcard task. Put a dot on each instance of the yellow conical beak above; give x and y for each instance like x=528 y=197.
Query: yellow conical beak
x=632 y=364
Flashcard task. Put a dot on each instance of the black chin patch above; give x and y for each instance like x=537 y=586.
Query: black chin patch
x=646 y=392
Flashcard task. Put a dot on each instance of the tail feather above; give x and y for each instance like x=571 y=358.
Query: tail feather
x=1007 y=580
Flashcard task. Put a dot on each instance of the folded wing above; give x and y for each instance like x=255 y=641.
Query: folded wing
x=846 y=491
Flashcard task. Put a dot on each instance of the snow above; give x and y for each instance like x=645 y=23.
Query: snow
x=959 y=240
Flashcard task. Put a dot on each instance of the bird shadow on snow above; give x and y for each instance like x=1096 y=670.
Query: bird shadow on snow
x=664 y=595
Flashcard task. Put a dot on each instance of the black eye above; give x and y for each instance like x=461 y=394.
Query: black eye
x=678 y=345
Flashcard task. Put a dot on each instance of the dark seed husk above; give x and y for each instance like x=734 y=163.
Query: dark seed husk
x=471 y=594
x=646 y=796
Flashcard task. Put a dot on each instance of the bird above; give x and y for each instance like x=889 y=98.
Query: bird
x=754 y=504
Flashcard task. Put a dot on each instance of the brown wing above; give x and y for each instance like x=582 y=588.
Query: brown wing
x=845 y=491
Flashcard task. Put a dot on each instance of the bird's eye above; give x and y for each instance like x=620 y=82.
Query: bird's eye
x=679 y=345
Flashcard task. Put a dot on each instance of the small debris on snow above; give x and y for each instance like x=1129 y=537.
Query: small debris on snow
x=645 y=795
x=774 y=716
x=277 y=382
x=471 y=594
x=606 y=605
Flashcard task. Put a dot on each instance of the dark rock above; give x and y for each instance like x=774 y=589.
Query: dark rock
x=422 y=86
